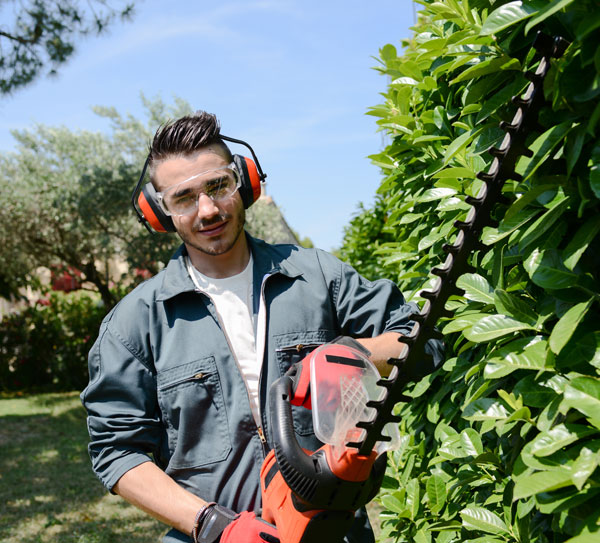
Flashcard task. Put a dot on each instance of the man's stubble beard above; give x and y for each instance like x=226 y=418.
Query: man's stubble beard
x=217 y=247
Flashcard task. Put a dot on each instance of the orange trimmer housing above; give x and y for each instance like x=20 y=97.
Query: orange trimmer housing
x=311 y=495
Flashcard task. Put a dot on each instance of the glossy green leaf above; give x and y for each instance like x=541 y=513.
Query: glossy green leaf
x=520 y=354
x=543 y=481
x=470 y=109
x=485 y=409
x=435 y=194
x=423 y=536
x=413 y=498
x=575 y=141
x=451 y=449
x=436 y=492
x=479 y=518
x=488 y=67
x=471 y=442
x=498 y=100
x=546 y=12
x=428 y=138
x=404 y=81
x=493 y=327
x=427 y=241
x=545 y=268
x=460 y=143
x=585 y=537
x=507 y=226
x=566 y=326
x=530 y=196
x=561 y=435
x=457 y=173
x=595 y=179
x=393 y=503
x=554 y=462
x=476 y=288
x=462 y=322
x=541 y=225
x=583 y=394
x=505 y=16
x=566 y=499
x=515 y=307
x=542 y=148
x=388 y=52
x=587 y=24
x=443 y=431
x=498 y=272
x=581 y=241
x=451 y=204
x=585 y=464
x=410 y=68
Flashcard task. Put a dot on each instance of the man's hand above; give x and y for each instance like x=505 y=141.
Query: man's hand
x=217 y=524
x=382 y=348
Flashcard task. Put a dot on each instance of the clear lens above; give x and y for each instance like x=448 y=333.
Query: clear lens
x=218 y=185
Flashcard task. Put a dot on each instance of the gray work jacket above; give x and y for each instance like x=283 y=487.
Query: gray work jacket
x=165 y=386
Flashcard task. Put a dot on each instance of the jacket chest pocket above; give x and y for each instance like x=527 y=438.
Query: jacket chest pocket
x=191 y=399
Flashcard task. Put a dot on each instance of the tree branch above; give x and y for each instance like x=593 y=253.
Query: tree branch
x=24 y=41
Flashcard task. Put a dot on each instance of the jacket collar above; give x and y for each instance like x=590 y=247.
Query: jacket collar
x=268 y=260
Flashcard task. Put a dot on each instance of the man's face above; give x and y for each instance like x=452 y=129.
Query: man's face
x=216 y=226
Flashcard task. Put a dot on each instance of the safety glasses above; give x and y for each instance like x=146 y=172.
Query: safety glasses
x=218 y=184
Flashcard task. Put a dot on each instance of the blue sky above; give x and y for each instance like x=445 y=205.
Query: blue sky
x=293 y=78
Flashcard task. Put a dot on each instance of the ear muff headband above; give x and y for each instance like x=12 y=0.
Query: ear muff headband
x=145 y=202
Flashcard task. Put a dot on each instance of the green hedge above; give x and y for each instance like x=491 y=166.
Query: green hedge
x=503 y=442
x=44 y=346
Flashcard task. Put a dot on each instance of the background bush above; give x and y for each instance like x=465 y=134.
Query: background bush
x=45 y=345
x=503 y=442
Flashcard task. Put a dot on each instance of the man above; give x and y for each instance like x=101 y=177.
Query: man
x=180 y=372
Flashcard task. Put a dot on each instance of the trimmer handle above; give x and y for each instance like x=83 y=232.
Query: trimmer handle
x=314 y=476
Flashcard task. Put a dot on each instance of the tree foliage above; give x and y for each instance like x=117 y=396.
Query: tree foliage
x=43 y=34
x=503 y=442
x=45 y=345
x=67 y=204
x=66 y=197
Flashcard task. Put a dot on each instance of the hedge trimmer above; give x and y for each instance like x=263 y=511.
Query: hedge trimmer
x=312 y=496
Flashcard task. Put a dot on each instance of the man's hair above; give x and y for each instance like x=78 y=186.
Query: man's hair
x=184 y=137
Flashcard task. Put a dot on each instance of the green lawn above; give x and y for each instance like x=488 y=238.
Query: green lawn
x=48 y=493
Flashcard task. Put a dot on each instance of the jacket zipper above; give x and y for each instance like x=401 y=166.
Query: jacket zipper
x=262 y=304
x=259 y=429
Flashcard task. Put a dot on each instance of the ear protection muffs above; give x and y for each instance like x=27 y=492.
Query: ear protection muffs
x=150 y=214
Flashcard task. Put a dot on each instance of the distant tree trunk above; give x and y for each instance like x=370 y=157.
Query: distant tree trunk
x=101 y=282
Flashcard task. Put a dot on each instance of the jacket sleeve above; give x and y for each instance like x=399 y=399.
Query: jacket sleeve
x=365 y=308
x=120 y=399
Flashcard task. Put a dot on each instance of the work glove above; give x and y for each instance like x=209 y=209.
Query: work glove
x=248 y=528
x=217 y=524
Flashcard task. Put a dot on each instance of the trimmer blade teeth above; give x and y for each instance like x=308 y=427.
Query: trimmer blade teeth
x=416 y=362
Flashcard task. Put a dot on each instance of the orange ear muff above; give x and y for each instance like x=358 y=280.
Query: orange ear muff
x=251 y=188
x=152 y=211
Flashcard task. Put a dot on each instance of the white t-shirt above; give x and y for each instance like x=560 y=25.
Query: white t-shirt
x=232 y=297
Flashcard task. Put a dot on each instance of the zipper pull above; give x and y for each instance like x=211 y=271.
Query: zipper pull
x=261 y=435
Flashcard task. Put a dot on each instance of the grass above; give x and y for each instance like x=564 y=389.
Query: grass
x=48 y=492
